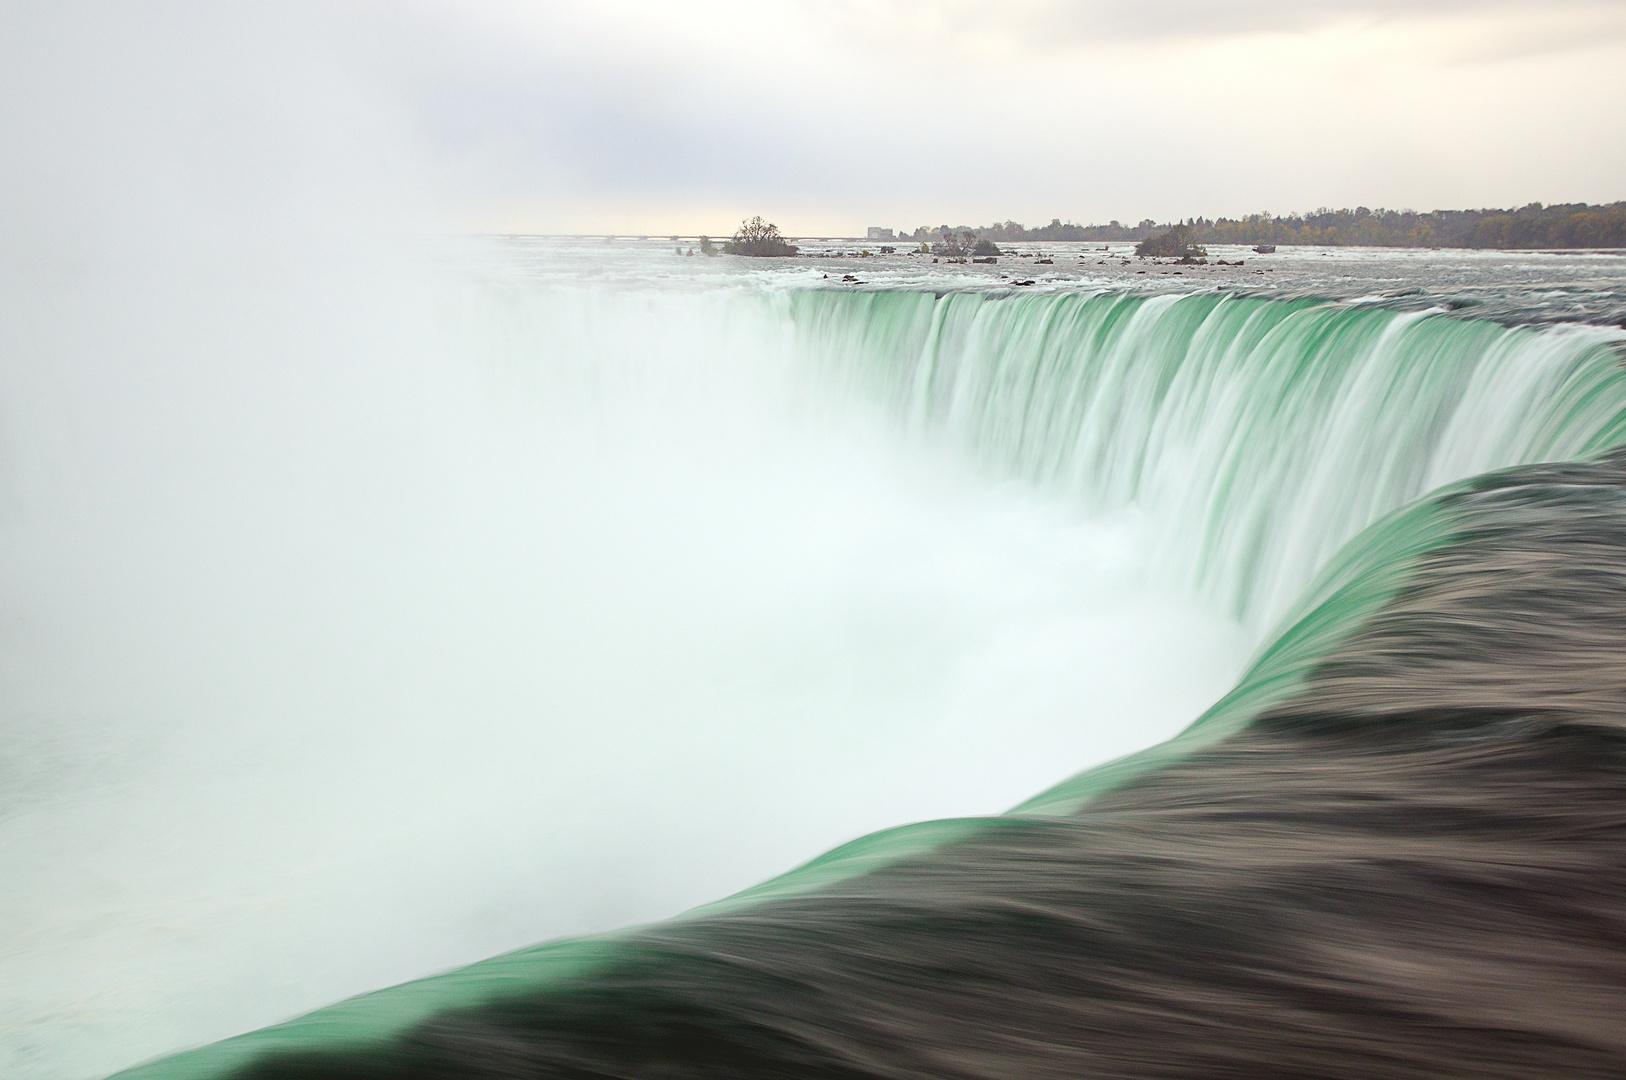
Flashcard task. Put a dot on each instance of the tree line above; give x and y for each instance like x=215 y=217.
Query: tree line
x=1562 y=225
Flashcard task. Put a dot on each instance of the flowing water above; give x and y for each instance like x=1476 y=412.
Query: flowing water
x=353 y=637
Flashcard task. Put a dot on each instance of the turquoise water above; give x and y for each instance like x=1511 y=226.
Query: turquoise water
x=1285 y=449
x=1268 y=433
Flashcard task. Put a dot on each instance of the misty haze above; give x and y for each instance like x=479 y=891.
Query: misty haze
x=841 y=540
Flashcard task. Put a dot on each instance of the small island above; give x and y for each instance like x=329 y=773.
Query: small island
x=1177 y=243
x=759 y=239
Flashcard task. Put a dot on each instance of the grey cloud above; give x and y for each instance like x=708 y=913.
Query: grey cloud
x=555 y=115
x=537 y=115
x=1047 y=24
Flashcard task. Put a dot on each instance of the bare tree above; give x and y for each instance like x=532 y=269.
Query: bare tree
x=954 y=244
x=1178 y=243
x=759 y=238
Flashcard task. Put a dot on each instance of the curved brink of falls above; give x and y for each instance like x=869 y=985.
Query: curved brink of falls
x=1393 y=850
x=1264 y=434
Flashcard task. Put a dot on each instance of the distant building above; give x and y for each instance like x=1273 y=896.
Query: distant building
x=878 y=233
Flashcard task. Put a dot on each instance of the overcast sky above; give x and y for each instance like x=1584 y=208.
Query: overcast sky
x=830 y=115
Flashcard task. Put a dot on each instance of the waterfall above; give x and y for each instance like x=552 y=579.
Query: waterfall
x=1261 y=434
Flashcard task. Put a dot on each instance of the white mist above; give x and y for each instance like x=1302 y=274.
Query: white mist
x=499 y=613
x=358 y=620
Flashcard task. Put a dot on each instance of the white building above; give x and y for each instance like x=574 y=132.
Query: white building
x=878 y=233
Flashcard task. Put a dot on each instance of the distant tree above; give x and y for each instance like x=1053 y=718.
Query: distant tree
x=1177 y=243
x=758 y=238
x=954 y=242
x=985 y=248
x=1568 y=225
x=707 y=247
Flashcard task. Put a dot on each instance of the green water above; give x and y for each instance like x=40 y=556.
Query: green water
x=1261 y=434
x=1283 y=446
